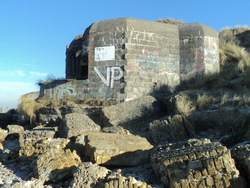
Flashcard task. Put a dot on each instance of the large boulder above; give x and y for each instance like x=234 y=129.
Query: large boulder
x=196 y=163
x=75 y=124
x=117 y=149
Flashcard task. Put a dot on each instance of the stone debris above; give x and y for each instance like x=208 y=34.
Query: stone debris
x=196 y=163
x=117 y=149
x=88 y=174
x=123 y=182
x=51 y=157
x=8 y=179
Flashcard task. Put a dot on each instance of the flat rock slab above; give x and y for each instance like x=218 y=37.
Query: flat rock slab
x=117 y=149
x=75 y=124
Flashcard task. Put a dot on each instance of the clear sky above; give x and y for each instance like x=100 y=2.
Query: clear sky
x=34 y=33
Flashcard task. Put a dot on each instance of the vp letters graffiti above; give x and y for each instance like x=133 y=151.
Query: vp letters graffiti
x=113 y=74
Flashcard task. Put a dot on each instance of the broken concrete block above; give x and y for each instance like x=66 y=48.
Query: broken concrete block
x=55 y=165
x=117 y=149
x=49 y=115
x=75 y=124
x=198 y=162
x=38 y=141
x=130 y=111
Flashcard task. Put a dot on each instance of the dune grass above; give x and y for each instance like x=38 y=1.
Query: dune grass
x=184 y=104
x=29 y=107
x=170 y=21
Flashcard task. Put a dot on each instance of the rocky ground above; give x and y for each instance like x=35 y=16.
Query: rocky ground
x=140 y=143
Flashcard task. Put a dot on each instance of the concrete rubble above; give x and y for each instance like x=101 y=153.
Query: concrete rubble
x=196 y=163
x=93 y=153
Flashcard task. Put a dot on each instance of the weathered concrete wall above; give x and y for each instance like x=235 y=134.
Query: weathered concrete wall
x=106 y=57
x=126 y=58
x=65 y=88
x=152 y=57
x=198 y=50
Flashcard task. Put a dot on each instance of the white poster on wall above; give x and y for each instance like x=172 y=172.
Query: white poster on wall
x=106 y=53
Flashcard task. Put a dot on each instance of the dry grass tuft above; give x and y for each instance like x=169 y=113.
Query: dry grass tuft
x=225 y=99
x=229 y=35
x=234 y=57
x=235 y=100
x=185 y=105
x=170 y=21
x=28 y=107
x=204 y=101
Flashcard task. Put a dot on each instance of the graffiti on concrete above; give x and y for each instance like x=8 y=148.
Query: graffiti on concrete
x=66 y=92
x=211 y=57
x=158 y=63
x=113 y=74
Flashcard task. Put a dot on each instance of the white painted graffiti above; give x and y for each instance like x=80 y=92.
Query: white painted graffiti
x=105 y=53
x=113 y=74
x=66 y=92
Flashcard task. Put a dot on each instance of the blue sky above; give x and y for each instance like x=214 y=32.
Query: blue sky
x=34 y=33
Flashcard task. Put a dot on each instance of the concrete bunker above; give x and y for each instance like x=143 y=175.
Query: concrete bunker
x=126 y=58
